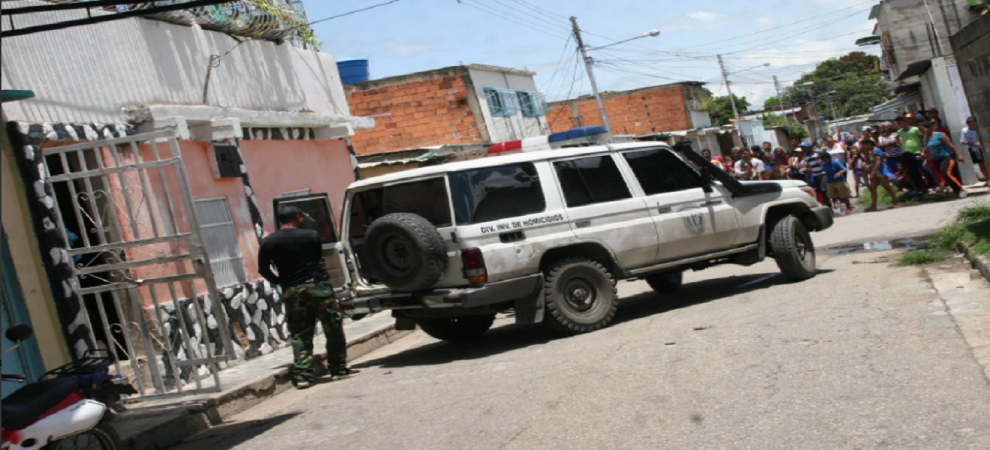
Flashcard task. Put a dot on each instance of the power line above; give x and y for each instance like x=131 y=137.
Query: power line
x=560 y=27
x=560 y=62
x=818 y=17
x=516 y=20
x=354 y=12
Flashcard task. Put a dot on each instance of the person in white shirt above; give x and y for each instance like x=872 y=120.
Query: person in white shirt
x=747 y=157
x=836 y=149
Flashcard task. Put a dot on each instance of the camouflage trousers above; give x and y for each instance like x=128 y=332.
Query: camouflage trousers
x=304 y=305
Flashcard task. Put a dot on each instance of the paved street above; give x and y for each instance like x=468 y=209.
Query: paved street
x=862 y=356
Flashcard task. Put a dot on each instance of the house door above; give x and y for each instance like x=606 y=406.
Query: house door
x=26 y=360
x=141 y=278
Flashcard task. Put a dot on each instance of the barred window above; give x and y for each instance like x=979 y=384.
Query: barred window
x=532 y=104
x=501 y=102
x=220 y=237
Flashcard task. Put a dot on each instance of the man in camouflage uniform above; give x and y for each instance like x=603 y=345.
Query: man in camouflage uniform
x=296 y=253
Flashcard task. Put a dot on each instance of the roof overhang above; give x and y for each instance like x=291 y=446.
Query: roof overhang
x=887 y=111
x=10 y=95
x=869 y=40
x=915 y=69
x=209 y=123
x=875 y=11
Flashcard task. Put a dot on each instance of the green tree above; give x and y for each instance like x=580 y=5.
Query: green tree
x=771 y=103
x=852 y=83
x=793 y=128
x=720 y=108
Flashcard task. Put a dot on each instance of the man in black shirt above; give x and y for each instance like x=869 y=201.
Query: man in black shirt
x=307 y=293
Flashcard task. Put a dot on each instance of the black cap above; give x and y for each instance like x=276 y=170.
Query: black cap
x=289 y=213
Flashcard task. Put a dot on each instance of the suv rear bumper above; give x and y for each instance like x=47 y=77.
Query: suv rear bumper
x=468 y=297
x=822 y=218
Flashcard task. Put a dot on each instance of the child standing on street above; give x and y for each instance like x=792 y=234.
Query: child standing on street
x=859 y=164
x=835 y=181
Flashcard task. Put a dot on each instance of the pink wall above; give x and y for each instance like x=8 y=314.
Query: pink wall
x=276 y=167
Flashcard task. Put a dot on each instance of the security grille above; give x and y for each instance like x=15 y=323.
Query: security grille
x=220 y=237
x=501 y=102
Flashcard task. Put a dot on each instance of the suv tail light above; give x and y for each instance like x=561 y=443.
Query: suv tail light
x=474 y=266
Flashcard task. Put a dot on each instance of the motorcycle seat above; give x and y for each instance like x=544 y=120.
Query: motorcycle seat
x=27 y=404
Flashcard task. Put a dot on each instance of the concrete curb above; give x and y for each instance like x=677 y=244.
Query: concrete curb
x=192 y=418
x=980 y=263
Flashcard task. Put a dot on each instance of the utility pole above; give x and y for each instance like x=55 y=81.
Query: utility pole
x=732 y=100
x=591 y=76
x=780 y=99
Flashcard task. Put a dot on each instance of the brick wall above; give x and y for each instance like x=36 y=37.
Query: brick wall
x=430 y=111
x=639 y=112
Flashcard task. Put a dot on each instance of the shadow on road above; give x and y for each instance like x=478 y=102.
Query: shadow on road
x=231 y=435
x=513 y=337
x=649 y=303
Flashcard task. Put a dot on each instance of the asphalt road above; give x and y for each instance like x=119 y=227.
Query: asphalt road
x=863 y=356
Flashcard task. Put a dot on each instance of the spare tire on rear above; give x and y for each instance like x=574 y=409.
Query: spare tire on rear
x=406 y=252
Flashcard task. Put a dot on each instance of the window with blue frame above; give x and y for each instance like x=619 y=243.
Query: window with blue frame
x=501 y=102
x=532 y=104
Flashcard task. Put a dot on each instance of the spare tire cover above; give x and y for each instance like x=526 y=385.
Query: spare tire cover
x=406 y=252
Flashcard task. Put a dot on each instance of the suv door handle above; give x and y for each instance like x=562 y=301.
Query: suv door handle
x=712 y=203
x=582 y=224
x=664 y=209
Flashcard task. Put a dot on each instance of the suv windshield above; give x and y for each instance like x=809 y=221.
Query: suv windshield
x=495 y=193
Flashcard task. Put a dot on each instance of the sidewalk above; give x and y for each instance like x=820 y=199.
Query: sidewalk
x=161 y=423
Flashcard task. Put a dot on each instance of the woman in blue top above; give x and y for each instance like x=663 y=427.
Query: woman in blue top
x=944 y=156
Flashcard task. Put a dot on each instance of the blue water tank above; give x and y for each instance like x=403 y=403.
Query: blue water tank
x=353 y=71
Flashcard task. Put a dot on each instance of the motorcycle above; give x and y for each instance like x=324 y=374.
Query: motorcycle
x=55 y=413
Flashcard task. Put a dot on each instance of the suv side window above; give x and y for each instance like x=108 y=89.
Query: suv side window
x=587 y=181
x=495 y=193
x=659 y=171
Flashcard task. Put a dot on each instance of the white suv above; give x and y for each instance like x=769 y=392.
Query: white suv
x=547 y=235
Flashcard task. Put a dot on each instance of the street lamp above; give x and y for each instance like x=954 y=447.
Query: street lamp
x=651 y=33
x=588 y=63
x=732 y=99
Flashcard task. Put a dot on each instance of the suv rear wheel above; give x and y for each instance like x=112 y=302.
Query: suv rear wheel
x=793 y=249
x=580 y=296
x=406 y=252
x=666 y=281
x=456 y=329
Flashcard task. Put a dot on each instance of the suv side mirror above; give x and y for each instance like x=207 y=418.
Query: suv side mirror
x=18 y=333
x=706 y=180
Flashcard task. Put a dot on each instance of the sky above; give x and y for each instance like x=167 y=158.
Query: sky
x=409 y=36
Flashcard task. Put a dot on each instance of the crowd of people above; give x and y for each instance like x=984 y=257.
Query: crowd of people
x=915 y=154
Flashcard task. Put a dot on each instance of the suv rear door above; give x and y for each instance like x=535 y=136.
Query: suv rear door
x=319 y=217
x=689 y=221
x=601 y=207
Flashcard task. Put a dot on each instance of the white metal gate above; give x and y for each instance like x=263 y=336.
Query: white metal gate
x=141 y=273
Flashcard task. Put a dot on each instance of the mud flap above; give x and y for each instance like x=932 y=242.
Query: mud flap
x=530 y=309
x=405 y=324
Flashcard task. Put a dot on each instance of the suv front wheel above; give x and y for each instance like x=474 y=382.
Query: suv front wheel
x=580 y=296
x=793 y=249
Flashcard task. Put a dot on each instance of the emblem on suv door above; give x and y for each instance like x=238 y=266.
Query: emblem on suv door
x=695 y=222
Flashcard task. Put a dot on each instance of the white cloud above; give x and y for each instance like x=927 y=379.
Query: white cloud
x=405 y=48
x=706 y=16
